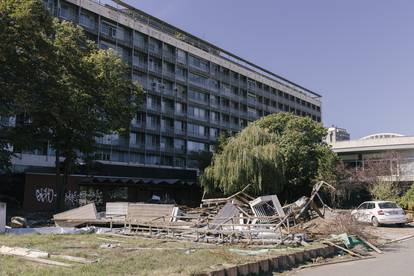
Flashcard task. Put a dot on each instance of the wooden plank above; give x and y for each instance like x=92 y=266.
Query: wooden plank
x=30 y=255
x=20 y=251
x=83 y=213
x=116 y=209
x=74 y=259
x=376 y=249
x=148 y=212
x=45 y=261
x=343 y=249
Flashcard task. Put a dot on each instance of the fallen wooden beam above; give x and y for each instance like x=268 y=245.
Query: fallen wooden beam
x=44 y=261
x=30 y=255
x=343 y=249
x=376 y=249
x=74 y=259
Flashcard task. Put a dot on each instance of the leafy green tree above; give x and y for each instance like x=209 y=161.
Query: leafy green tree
x=25 y=62
x=280 y=153
x=84 y=92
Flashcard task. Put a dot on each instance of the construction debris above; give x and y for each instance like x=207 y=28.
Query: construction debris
x=18 y=222
x=31 y=255
x=239 y=218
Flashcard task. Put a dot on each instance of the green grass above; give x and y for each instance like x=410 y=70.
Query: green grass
x=124 y=260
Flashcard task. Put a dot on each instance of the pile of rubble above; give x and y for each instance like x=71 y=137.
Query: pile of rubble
x=239 y=218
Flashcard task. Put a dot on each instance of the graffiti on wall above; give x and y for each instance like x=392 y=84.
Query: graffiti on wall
x=45 y=195
x=71 y=199
x=49 y=196
x=91 y=196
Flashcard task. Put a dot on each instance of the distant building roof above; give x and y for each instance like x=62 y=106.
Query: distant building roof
x=375 y=142
x=381 y=136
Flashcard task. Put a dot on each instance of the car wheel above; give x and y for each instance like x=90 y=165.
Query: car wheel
x=401 y=224
x=374 y=222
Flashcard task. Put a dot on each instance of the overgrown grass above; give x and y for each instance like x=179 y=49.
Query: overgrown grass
x=174 y=258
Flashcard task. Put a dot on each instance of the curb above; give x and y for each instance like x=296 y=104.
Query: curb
x=274 y=264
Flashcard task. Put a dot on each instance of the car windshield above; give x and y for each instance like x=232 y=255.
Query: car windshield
x=388 y=205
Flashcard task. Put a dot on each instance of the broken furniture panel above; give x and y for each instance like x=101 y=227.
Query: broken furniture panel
x=267 y=206
x=116 y=210
x=76 y=216
x=227 y=214
x=142 y=212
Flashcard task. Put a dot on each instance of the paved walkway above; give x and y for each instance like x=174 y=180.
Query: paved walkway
x=398 y=260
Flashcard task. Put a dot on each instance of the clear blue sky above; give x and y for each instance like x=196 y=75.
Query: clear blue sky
x=358 y=54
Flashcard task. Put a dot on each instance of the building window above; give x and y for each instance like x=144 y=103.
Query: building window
x=179 y=145
x=197 y=79
x=152 y=160
x=87 y=20
x=214 y=116
x=197 y=130
x=198 y=96
x=196 y=146
x=181 y=56
x=199 y=63
x=180 y=108
x=214 y=132
x=68 y=12
x=197 y=112
x=140 y=40
x=108 y=29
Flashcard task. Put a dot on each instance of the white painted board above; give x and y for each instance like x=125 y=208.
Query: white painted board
x=2 y=217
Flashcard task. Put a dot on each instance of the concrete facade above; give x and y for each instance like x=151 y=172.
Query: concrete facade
x=336 y=134
x=396 y=149
x=194 y=90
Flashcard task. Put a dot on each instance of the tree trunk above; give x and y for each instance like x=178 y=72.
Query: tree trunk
x=59 y=192
x=66 y=172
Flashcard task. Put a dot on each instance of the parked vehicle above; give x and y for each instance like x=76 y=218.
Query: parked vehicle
x=380 y=212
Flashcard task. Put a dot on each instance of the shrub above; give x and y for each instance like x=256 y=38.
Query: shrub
x=384 y=191
x=407 y=200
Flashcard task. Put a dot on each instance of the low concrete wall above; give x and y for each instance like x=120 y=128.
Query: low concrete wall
x=274 y=264
x=2 y=217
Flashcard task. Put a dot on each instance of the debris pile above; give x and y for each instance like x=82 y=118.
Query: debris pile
x=239 y=218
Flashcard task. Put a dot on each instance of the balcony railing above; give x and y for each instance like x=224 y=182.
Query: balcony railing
x=180 y=77
x=168 y=55
x=152 y=147
x=168 y=73
x=155 y=69
x=179 y=131
x=153 y=107
x=169 y=111
x=169 y=130
x=197 y=134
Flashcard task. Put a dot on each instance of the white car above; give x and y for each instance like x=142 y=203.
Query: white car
x=380 y=212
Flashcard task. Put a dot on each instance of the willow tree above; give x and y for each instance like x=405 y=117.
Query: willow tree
x=280 y=153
